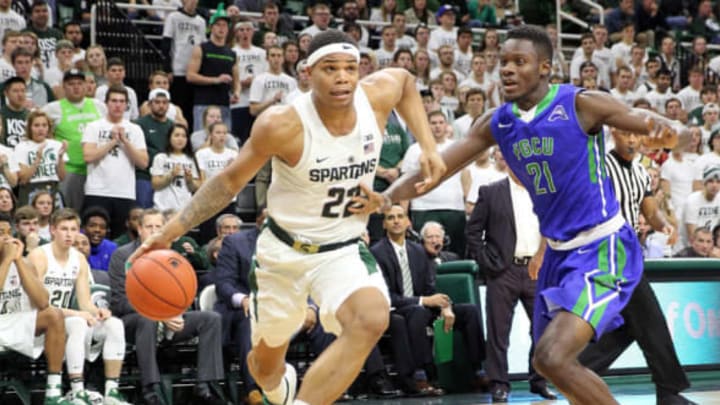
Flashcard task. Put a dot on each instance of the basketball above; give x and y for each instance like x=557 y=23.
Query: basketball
x=161 y=284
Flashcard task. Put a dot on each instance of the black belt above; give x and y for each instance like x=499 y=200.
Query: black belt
x=304 y=245
x=521 y=261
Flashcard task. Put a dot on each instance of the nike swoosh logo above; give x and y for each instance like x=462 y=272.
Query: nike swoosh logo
x=501 y=125
x=583 y=251
x=320 y=160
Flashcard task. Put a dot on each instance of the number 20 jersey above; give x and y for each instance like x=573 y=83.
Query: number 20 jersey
x=59 y=280
x=311 y=199
x=561 y=166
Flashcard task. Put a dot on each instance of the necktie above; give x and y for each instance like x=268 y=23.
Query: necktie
x=406 y=274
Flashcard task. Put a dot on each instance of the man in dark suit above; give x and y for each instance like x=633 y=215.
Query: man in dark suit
x=144 y=332
x=233 y=292
x=503 y=235
x=410 y=277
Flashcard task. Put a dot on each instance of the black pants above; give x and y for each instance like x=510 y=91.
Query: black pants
x=182 y=95
x=503 y=293
x=204 y=324
x=644 y=323
x=117 y=208
x=412 y=347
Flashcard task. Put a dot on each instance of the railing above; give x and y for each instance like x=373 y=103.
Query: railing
x=111 y=28
x=561 y=15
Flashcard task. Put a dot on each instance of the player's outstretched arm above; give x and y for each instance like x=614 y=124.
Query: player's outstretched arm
x=456 y=157
x=38 y=295
x=394 y=88
x=596 y=108
x=270 y=136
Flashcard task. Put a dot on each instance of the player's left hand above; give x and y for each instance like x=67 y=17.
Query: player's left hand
x=662 y=134
x=368 y=202
x=432 y=167
x=449 y=316
x=103 y=314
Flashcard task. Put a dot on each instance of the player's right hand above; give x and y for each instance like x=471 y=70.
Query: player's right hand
x=155 y=241
x=88 y=317
x=368 y=202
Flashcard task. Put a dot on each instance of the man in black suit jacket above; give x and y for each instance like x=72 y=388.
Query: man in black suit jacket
x=492 y=241
x=415 y=310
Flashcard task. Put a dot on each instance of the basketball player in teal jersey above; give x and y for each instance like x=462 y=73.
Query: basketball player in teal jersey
x=552 y=139
x=323 y=146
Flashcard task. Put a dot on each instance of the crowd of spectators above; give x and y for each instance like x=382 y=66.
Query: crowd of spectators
x=74 y=134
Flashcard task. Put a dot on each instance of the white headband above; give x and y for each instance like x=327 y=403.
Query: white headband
x=326 y=50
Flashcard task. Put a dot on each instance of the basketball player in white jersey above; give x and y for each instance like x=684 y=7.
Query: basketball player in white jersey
x=25 y=316
x=322 y=146
x=90 y=330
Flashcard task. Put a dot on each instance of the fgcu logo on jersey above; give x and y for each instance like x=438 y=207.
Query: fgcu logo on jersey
x=558 y=113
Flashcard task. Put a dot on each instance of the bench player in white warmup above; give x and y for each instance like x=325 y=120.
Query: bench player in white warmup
x=90 y=330
x=322 y=146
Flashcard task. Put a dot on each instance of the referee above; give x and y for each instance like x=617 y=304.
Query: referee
x=644 y=321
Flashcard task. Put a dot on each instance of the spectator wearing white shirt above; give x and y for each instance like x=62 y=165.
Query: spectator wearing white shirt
x=445 y=203
x=711 y=122
x=622 y=90
x=484 y=171
x=252 y=61
x=9 y=167
x=303 y=82
x=464 y=51
x=54 y=75
x=658 y=96
x=702 y=208
x=41 y=159
x=9 y=19
x=600 y=52
x=676 y=178
x=474 y=107
x=674 y=110
x=422 y=38
x=446 y=32
x=113 y=147
x=160 y=80
x=320 y=16
x=211 y=161
x=115 y=77
x=447 y=62
x=72 y=31
x=10 y=42
x=481 y=80
x=384 y=55
x=690 y=94
x=621 y=50
x=175 y=175
x=271 y=87
x=587 y=54
x=709 y=159
x=403 y=41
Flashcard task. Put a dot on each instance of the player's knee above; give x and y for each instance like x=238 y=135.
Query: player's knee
x=53 y=318
x=115 y=329
x=548 y=360
x=76 y=327
x=373 y=322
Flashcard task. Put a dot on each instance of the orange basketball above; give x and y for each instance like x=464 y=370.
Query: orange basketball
x=161 y=284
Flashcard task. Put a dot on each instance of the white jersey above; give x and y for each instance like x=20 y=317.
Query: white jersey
x=250 y=62
x=265 y=85
x=26 y=153
x=13 y=298
x=463 y=61
x=481 y=176
x=328 y=174
x=700 y=212
x=384 y=57
x=11 y=20
x=114 y=174
x=6 y=70
x=60 y=280
x=628 y=97
x=185 y=32
x=690 y=98
x=177 y=193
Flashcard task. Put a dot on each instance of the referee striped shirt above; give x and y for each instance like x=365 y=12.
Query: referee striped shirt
x=631 y=183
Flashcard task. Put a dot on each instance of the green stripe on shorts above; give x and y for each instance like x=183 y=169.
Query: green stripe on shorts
x=252 y=281
x=367 y=258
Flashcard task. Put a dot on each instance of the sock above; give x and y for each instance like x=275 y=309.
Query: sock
x=277 y=394
x=110 y=383
x=54 y=385
x=299 y=402
x=77 y=384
